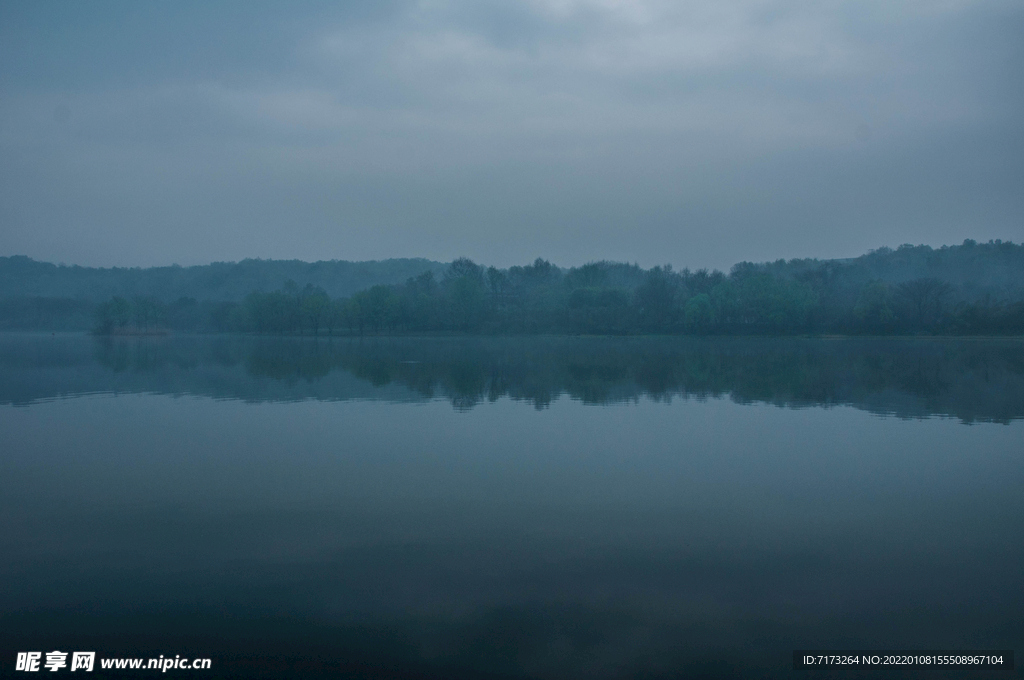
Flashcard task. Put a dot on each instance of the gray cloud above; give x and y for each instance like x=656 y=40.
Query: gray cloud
x=696 y=133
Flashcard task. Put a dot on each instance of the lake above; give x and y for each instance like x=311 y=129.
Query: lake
x=509 y=507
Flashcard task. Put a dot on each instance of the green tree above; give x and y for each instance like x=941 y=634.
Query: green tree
x=924 y=300
x=874 y=307
x=464 y=288
x=334 y=315
x=104 y=319
x=121 y=310
x=700 y=313
x=656 y=300
x=315 y=305
x=378 y=307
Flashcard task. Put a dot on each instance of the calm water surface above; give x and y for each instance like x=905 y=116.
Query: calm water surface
x=543 y=508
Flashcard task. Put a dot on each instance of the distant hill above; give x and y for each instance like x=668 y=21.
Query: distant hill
x=23 y=277
x=972 y=288
x=973 y=270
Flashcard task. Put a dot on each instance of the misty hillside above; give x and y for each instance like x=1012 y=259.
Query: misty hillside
x=973 y=270
x=23 y=277
x=967 y=289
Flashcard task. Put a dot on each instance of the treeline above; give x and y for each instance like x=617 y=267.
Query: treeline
x=621 y=299
x=24 y=278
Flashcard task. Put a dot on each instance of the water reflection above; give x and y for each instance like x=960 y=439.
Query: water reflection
x=970 y=379
x=321 y=510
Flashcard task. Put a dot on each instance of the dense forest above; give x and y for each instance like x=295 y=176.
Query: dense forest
x=22 y=277
x=973 y=288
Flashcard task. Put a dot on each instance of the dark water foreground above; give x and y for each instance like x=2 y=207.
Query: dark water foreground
x=590 y=508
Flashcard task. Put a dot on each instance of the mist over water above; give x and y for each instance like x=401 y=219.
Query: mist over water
x=548 y=507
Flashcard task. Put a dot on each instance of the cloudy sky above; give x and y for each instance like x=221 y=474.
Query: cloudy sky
x=695 y=133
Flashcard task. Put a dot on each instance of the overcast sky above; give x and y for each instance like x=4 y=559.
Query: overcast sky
x=691 y=133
